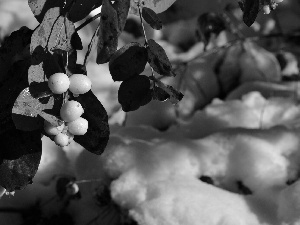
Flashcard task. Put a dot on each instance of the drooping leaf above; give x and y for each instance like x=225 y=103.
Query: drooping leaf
x=151 y=18
x=158 y=59
x=122 y=9
x=54 y=32
x=107 y=33
x=128 y=61
x=12 y=47
x=26 y=110
x=250 y=9
x=20 y=156
x=157 y=6
x=97 y=135
x=134 y=93
x=159 y=94
x=174 y=95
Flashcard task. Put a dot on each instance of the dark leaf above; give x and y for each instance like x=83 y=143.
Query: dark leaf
x=174 y=95
x=128 y=61
x=54 y=32
x=40 y=90
x=107 y=33
x=20 y=157
x=134 y=93
x=97 y=136
x=47 y=67
x=11 y=47
x=122 y=9
x=250 y=9
x=26 y=110
x=10 y=90
x=76 y=42
x=158 y=58
x=134 y=28
x=38 y=55
x=151 y=18
x=209 y=23
x=159 y=94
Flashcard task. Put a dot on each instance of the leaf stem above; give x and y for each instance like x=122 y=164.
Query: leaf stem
x=90 y=46
x=144 y=32
x=87 y=22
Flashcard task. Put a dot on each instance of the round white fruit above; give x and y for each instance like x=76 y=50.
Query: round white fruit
x=71 y=111
x=61 y=139
x=72 y=189
x=78 y=127
x=52 y=130
x=79 y=84
x=266 y=9
x=59 y=83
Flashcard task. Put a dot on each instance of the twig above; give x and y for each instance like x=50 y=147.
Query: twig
x=87 y=22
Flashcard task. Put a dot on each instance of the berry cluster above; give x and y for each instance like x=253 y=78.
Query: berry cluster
x=270 y=5
x=70 y=111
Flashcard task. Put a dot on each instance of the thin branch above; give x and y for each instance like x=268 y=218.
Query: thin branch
x=87 y=22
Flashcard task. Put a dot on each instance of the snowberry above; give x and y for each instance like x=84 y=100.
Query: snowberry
x=266 y=9
x=79 y=84
x=78 y=127
x=72 y=189
x=52 y=130
x=59 y=83
x=61 y=139
x=71 y=111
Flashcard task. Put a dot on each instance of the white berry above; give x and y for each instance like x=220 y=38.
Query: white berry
x=52 y=130
x=79 y=84
x=78 y=127
x=61 y=139
x=266 y=9
x=72 y=189
x=59 y=83
x=71 y=111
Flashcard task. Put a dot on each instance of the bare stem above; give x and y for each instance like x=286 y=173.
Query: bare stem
x=87 y=22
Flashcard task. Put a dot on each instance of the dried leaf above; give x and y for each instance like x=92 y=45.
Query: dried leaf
x=151 y=18
x=26 y=110
x=97 y=135
x=128 y=61
x=108 y=33
x=159 y=94
x=122 y=9
x=174 y=95
x=54 y=32
x=158 y=59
